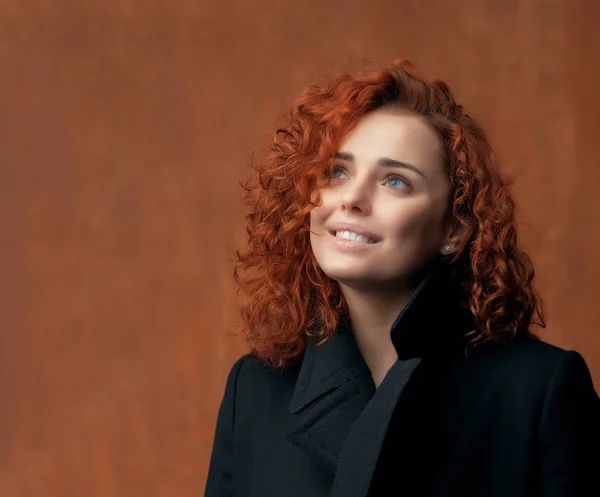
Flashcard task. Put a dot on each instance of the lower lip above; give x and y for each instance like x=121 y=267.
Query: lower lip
x=350 y=245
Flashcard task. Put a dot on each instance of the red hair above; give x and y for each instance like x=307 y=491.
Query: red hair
x=288 y=297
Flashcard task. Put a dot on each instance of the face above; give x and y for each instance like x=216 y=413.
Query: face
x=388 y=185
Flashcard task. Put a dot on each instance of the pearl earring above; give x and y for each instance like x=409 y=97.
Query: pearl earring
x=447 y=249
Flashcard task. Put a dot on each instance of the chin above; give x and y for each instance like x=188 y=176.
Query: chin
x=336 y=271
x=350 y=277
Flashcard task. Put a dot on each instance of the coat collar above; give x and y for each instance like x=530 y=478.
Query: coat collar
x=340 y=418
x=328 y=366
x=432 y=323
x=435 y=320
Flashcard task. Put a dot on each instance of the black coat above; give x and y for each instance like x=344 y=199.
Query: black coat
x=514 y=420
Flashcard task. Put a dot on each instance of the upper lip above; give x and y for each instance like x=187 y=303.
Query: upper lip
x=359 y=230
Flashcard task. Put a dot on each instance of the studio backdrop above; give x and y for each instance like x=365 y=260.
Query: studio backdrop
x=124 y=128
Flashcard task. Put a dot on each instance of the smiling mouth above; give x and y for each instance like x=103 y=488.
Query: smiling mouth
x=351 y=236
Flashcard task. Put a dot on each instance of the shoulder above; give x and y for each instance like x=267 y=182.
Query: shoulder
x=250 y=378
x=250 y=368
x=522 y=354
x=528 y=364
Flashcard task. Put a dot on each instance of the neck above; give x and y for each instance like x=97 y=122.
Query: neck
x=371 y=316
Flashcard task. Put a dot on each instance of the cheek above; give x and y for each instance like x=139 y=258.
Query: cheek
x=318 y=195
x=318 y=214
x=416 y=222
x=317 y=218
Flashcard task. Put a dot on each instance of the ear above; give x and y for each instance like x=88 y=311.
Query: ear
x=455 y=236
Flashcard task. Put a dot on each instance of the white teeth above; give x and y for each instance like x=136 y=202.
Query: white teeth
x=350 y=235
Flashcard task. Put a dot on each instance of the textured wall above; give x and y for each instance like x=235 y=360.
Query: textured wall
x=124 y=127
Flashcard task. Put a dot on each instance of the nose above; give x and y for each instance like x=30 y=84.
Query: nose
x=356 y=197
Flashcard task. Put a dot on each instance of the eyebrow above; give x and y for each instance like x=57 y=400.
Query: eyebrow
x=383 y=161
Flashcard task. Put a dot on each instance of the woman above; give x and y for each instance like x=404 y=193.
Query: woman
x=388 y=313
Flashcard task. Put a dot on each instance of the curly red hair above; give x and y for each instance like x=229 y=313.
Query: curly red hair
x=288 y=297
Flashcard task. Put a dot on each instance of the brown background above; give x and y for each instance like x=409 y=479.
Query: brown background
x=124 y=127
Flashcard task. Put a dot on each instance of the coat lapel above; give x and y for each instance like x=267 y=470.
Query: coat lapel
x=361 y=449
x=333 y=387
x=341 y=419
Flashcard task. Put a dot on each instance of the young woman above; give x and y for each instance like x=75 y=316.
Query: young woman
x=388 y=310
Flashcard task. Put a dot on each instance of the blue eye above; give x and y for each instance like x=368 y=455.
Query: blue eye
x=393 y=181
x=333 y=171
x=403 y=184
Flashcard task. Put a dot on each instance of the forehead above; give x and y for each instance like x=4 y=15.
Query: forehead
x=396 y=134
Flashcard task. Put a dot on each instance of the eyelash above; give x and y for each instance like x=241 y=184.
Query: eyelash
x=387 y=178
